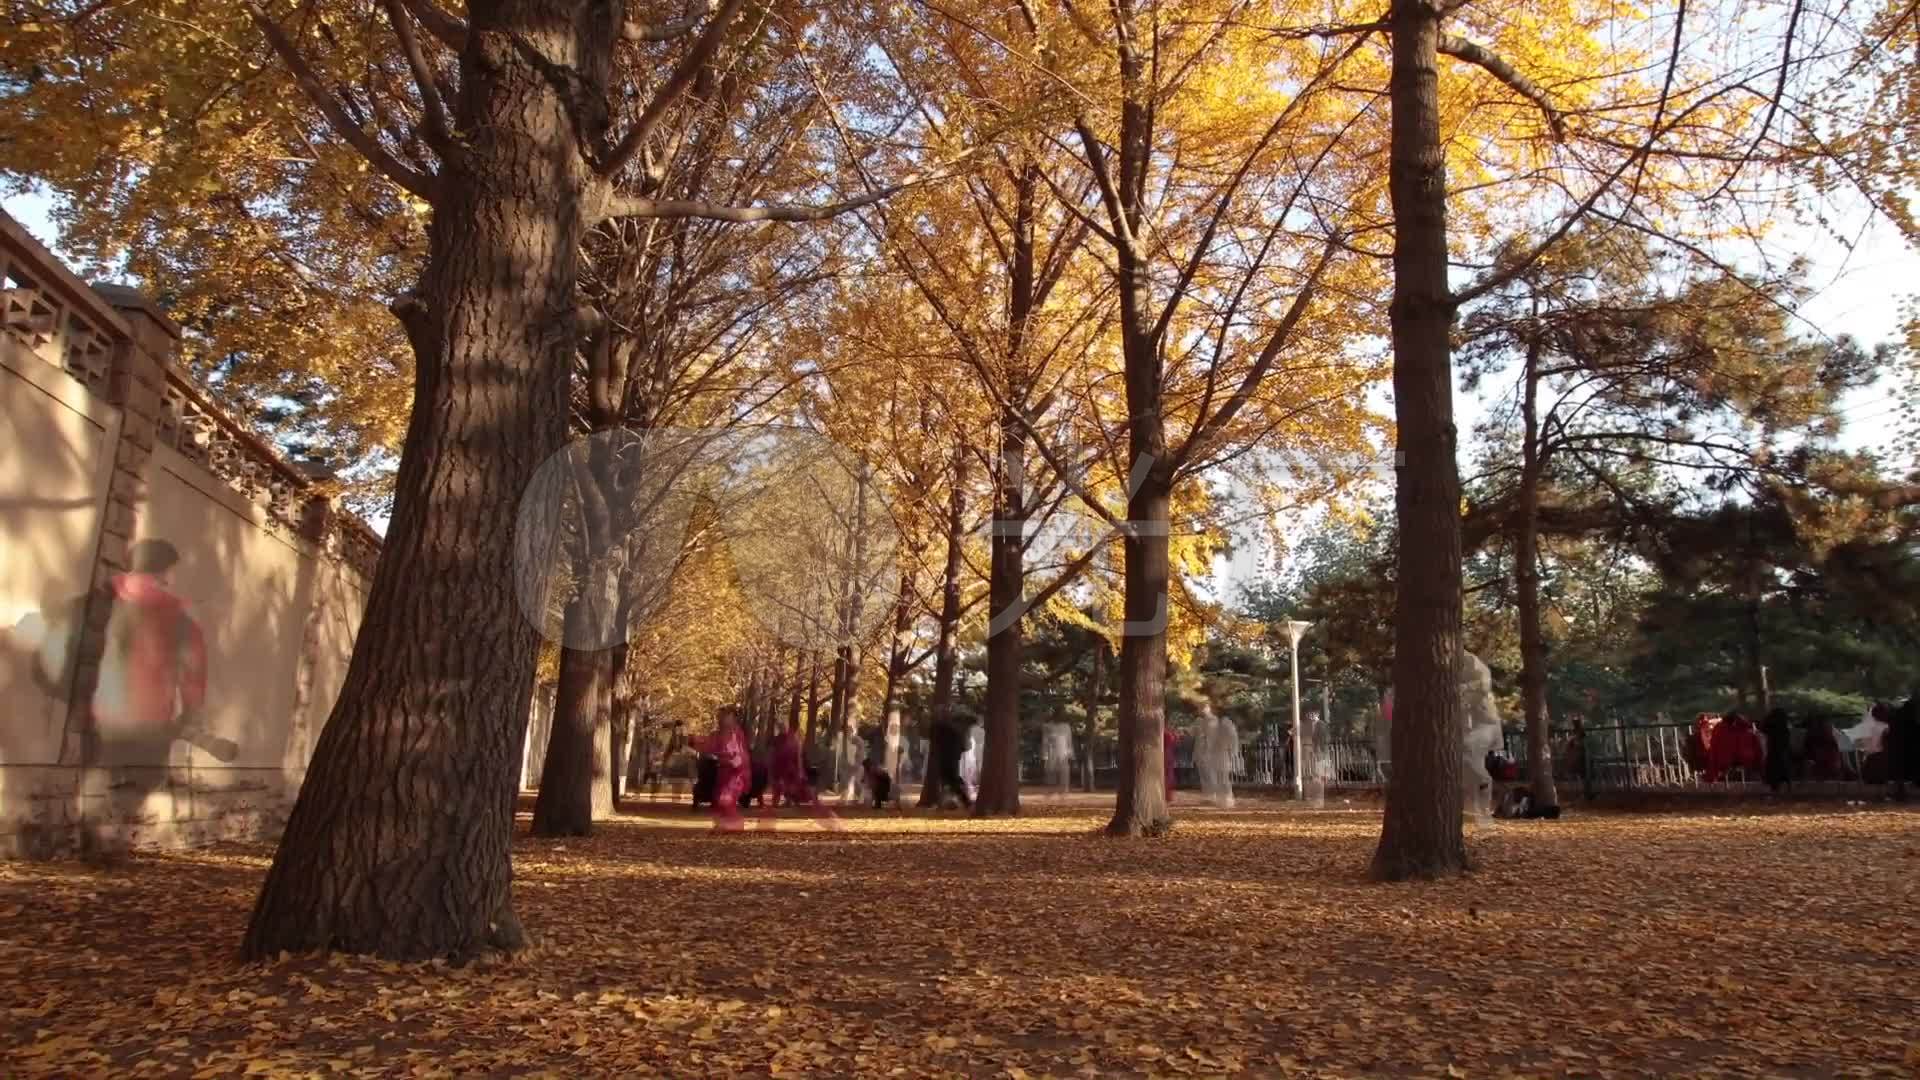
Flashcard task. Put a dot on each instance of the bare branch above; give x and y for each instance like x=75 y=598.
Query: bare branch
x=1773 y=103
x=697 y=57
x=1210 y=427
x=711 y=211
x=449 y=30
x=439 y=132
x=1494 y=279
x=1323 y=30
x=637 y=31
x=628 y=206
x=1179 y=291
x=1480 y=56
x=359 y=138
x=1096 y=157
x=1666 y=89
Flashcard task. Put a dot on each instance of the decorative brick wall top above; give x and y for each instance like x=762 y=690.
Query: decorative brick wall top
x=80 y=329
x=52 y=313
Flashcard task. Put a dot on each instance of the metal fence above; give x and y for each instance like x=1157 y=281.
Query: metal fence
x=1656 y=758
x=1649 y=758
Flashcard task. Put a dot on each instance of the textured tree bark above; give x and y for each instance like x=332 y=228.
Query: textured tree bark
x=1007 y=575
x=1533 y=659
x=799 y=687
x=1006 y=588
x=398 y=843
x=621 y=740
x=1422 y=835
x=639 y=751
x=750 y=706
x=771 y=692
x=1140 y=804
x=946 y=657
x=901 y=642
x=576 y=781
x=846 y=670
x=1096 y=689
x=626 y=709
x=1762 y=696
x=813 y=698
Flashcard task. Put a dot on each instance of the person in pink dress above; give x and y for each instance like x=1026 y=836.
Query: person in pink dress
x=787 y=777
x=728 y=745
x=787 y=772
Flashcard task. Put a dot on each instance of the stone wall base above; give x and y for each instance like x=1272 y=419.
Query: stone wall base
x=59 y=811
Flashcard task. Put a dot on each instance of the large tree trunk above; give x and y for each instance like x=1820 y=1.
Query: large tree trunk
x=1007 y=576
x=626 y=705
x=946 y=657
x=900 y=643
x=398 y=843
x=1756 y=681
x=799 y=687
x=813 y=699
x=622 y=740
x=750 y=707
x=576 y=784
x=1533 y=659
x=1422 y=836
x=846 y=671
x=1140 y=804
x=639 y=753
x=1006 y=589
x=772 y=693
x=1096 y=689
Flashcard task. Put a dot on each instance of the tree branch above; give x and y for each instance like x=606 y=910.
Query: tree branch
x=1211 y=426
x=712 y=211
x=1493 y=64
x=632 y=206
x=1773 y=103
x=439 y=132
x=1097 y=162
x=451 y=31
x=636 y=31
x=356 y=136
x=1496 y=278
x=683 y=75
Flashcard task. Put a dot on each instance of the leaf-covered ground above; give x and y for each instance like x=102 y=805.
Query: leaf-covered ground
x=1706 y=942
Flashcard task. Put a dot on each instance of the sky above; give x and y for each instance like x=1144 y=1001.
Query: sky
x=1857 y=293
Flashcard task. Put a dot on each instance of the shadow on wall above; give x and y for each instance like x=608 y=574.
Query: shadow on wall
x=151 y=690
x=148 y=696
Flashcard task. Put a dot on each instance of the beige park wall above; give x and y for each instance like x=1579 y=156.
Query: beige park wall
x=103 y=444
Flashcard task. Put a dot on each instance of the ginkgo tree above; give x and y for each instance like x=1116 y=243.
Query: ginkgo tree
x=1199 y=170
x=1595 y=117
x=514 y=127
x=680 y=354
x=1001 y=237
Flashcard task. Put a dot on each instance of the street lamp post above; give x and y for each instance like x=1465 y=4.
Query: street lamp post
x=1295 y=629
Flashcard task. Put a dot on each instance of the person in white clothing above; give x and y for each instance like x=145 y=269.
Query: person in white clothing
x=970 y=759
x=1216 y=754
x=1056 y=755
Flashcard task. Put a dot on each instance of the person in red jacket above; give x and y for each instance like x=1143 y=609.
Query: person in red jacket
x=787 y=779
x=152 y=687
x=728 y=745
